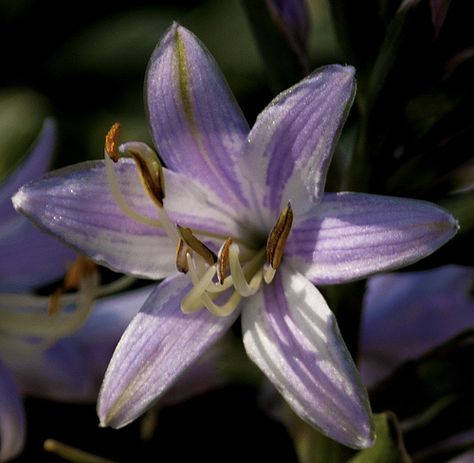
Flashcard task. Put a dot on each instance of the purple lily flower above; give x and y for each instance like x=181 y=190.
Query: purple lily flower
x=29 y=258
x=255 y=198
x=35 y=358
x=408 y=314
x=293 y=18
x=69 y=369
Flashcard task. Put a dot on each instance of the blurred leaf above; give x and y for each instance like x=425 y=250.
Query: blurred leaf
x=311 y=446
x=284 y=59
x=462 y=206
x=389 y=447
x=21 y=118
x=400 y=68
x=439 y=386
x=121 y=43
x=360 y=31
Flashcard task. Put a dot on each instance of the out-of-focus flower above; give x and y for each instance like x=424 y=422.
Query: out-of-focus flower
x=37 y=357
x=28 y=257
x=242 y=215
x=407 y=314
x=292 y=16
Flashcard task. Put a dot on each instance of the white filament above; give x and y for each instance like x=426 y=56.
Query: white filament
x=240 y=283
x=119 y=198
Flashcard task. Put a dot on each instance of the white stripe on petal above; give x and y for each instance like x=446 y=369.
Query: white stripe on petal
x=292 y=335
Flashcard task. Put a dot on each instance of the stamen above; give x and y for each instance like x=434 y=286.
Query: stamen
x=111 y=145
x=198 y=298
x=240 y=282
x=223 y=260
x=151 y=175
x=197 y=246
x=277 y=238
x=149 y=169
x=120 y=200
x=24 y=315
x=71 y=453
x=80 y=269
x=181 y=261
x=193 y=300
x=268 y=273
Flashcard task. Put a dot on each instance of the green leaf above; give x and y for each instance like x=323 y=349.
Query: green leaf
x=432 y=396
x=389 y=447
x=402 y=65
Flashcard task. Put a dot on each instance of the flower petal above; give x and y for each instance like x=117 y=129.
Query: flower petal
x=33 y=167
x=76 y=205
x=12 y=417
x=292 y=335
x=30 y=258
x=158 y=346
x=407 y=314
x=196 y=124
x=351 y=235
x=291 y=144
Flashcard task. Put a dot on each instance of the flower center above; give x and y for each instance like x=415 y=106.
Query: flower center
x=219 y=281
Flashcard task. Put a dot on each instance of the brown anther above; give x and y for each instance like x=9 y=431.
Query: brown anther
x=181 y=261
x=80 y=269
x=223 y=261
x=111 y=142
x=277 y=238
x=196 y=245
x=151 y=175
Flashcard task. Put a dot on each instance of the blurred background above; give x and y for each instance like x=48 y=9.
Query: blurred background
x=410 y=133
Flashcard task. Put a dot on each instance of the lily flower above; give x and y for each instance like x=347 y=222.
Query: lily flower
x=29 y=258
x=408 y=314
x=238 y=223
x=42 y=354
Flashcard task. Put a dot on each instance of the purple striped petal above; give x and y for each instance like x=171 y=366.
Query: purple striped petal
x=291 y=145
x=158 y=346
x=76 y=205
x=30 y=258
x=12 y=417
x=407 y=314
x=33 y=167
x=292 y=335
x=351 y=235
x=196 y=124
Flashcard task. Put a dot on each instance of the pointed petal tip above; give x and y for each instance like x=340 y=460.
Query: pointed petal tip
x=19 y=200
x=367 y=438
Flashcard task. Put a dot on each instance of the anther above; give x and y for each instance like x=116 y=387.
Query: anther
x=181 y=261
x=149 y=169
x=111 y=142
x=81 y=269
x=196 y=245
x=277 y=238
x=223 y=261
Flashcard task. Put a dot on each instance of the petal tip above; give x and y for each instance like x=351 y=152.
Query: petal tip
x=367 y=438
x=19 y=200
